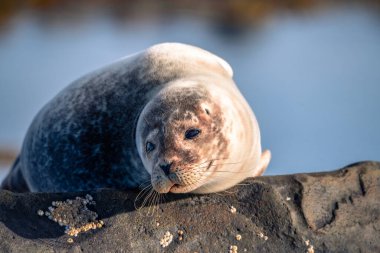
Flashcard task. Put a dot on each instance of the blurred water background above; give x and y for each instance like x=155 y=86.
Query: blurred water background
x=309 y=69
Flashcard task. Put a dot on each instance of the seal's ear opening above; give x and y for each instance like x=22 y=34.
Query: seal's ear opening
x=206 y=109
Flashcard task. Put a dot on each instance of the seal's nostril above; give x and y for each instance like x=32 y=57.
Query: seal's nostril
x=166 y=168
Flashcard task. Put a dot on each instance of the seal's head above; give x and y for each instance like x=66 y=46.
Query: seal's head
x=179 y=135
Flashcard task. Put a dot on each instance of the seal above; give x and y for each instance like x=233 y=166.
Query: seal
x=170 y=115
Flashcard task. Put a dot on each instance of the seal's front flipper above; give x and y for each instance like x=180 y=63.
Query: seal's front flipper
x=264 y=162
x=15 y=180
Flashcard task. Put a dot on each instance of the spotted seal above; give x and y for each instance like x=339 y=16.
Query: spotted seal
x=171 y=115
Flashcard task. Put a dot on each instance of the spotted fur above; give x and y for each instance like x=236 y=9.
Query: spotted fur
x=92 y=134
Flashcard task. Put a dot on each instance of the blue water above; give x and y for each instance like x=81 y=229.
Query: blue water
x=313 y=80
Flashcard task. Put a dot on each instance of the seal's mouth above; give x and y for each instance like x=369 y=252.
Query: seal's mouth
x=177 y=188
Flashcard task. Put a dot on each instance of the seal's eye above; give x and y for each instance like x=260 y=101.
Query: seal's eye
x=192 y=133
x=149 y=147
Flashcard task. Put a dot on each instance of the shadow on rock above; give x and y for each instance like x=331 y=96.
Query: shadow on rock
x=321 y=212
x=19 y=210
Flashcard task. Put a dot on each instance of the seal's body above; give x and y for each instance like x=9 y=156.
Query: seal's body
x=171 y=115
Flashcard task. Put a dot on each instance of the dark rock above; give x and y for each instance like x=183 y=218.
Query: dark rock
x=335 y=212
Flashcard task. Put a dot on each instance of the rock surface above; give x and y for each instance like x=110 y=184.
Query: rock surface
x=320 y=212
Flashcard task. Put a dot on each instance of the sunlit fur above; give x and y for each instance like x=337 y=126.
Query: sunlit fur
x=226 y=151
x=93 y=133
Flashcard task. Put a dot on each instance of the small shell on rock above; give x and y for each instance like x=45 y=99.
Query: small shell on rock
x=166 y=240
x=238 y=237
x=262 y=236
x=180 y=235
x=232 y=209
x=233 y=249
x=74 y=215
x=310 y=249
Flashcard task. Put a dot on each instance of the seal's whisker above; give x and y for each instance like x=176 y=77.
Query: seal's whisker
x=248 y=171
x=159 y=200
x=153 y=204
x=141 y=193
x=209 y=188
x=146 y=195
x=218 y=164
x=221 y=193
x=230 y=192
x=224 y=176
x=142 y=187
x=211 y=160
x=145 y=187
x=231 y=163
x=143 y=183
x=233 y=172
x=150 y=203
x=240 y=171
x=228 y=177
x=163 y=198
x=147 y=198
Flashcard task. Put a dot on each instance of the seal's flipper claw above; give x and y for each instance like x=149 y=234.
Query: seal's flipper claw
x=264 y=161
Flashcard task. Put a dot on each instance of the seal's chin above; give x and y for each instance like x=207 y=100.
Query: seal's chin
x=169 y=186
x=183 y=188
x=165 y=185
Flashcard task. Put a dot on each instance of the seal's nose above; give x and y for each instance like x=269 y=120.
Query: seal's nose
x=166 y=168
